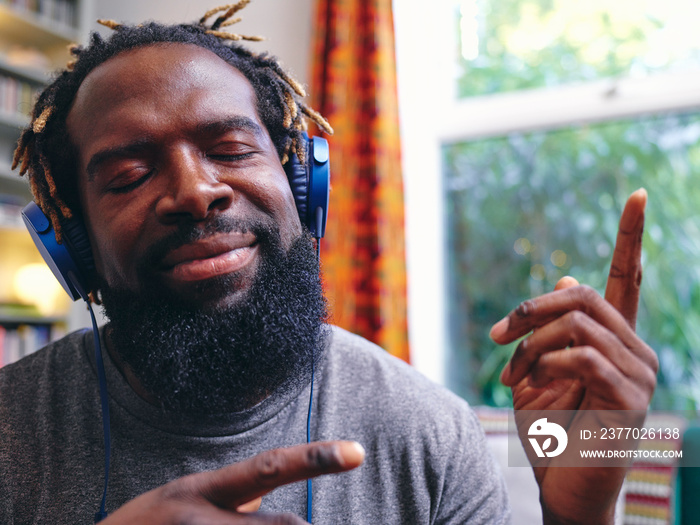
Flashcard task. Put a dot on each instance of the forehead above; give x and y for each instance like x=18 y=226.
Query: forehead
x=154 y=85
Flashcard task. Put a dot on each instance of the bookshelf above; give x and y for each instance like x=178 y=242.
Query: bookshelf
x=22 y=335
x=34 y=37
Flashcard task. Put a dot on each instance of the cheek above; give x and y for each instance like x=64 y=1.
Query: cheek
x=270 y=192
x=113 y=240
x=287 y=215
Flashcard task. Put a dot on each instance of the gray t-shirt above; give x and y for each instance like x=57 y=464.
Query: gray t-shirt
x=426 y=456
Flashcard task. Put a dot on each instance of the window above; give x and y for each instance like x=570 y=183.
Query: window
x=519 y=150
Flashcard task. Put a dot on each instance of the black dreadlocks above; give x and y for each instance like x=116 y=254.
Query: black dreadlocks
x=50 y=160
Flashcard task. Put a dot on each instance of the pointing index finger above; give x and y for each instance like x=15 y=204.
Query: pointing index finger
x=242 y=482
x=625 y=276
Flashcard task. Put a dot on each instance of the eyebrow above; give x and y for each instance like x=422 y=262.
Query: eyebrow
x=139 y=146
x=237 y=123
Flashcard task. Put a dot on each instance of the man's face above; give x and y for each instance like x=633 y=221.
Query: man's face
x=169 y=140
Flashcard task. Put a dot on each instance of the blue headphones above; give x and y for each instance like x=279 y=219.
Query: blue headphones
x=72 y=262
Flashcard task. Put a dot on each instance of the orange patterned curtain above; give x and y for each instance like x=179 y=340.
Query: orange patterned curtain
x=354 y=87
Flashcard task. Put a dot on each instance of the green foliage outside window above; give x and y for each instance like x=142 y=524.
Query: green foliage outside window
x=524 y=210
x=510 y=45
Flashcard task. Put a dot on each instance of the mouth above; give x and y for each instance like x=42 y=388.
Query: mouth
x=214 y=256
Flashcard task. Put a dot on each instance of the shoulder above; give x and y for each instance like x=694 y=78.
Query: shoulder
x=45 y=386
x=356 y=354
x=45 y=409
x=370 y=370
x=44 y=377
x=54 y=360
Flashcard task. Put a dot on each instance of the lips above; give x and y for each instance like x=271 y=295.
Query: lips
x=217 y=255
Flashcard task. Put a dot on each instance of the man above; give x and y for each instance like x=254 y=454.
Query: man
x=169 y=146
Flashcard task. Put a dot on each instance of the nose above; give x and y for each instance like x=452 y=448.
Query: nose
x=193 y=189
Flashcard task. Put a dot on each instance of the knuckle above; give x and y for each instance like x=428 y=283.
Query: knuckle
x=521 y=349
x=616 y=272
x=635 y=399
x=649 y=379
x=525 y=309
x=576 y=319
x=647 y=376
x=586 y=294
x=588 y=359
x=579 y=324
x=175 y=502
x=315 y=456
x=268 y=467
x=586 y=297
x=654 y=363
x=323 y=458
x=179 y=489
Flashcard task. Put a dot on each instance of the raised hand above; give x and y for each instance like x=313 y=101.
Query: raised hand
x=583 y=354
x=230 y=494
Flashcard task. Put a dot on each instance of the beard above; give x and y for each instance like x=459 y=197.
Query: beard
x=198 y=359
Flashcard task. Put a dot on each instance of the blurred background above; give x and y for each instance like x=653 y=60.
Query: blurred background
x=483 y=149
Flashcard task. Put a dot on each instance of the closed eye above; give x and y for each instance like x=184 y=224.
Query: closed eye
x=230 y=157
x=129 y=181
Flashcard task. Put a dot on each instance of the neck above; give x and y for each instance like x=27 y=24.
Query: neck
x=126 y=371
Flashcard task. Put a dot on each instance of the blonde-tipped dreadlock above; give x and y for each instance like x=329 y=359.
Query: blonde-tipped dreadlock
x=231 y=9
x=109 y=23
x=45 y=154
x=225 y=20
x=43 y=188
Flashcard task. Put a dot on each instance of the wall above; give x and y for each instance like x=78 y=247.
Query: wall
x=285 y=24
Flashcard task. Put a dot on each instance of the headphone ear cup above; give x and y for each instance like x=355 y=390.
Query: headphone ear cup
x=310 y=184
x=298 y=176
x=71 y=262
x=76 y=237
x=318 y=158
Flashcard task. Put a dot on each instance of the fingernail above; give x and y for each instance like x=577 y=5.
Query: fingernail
x=642 y=194
x=251 y=506
x=499 y=329
x=565 y=282
x=640 y=191
x=351 y=453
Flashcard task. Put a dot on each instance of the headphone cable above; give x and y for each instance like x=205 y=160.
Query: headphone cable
x=309 y=485
x=104 y=399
